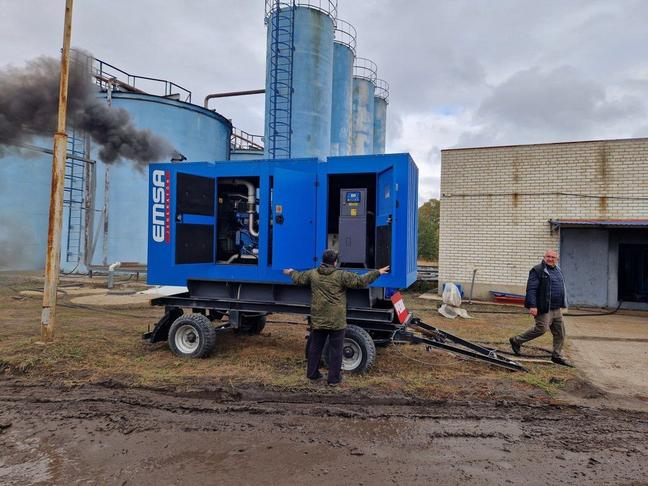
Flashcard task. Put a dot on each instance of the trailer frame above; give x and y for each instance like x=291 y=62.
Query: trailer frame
x=369 y=314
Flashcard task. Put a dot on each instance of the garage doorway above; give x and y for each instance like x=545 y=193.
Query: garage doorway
x=633 y=272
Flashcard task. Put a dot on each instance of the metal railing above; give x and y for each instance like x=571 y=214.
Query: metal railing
x=242 y=140
x=106 y=73
x=281 y=28
x=365 y=69
x=329 y=7
x=346 y=34
x=382 y=90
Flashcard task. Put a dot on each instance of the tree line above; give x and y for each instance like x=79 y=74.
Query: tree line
x=428 y=231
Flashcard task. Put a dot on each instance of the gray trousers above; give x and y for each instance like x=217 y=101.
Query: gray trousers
x=549 y=321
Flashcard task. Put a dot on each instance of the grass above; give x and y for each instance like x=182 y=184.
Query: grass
x=94 y=345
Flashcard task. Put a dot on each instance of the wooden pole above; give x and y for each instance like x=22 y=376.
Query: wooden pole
x=53 y=257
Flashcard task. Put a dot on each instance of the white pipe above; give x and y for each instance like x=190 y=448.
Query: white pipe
x=251 y=197
x=111 y=273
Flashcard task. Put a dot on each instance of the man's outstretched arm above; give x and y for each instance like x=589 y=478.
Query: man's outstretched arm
x=354 y=281
x=299 y=278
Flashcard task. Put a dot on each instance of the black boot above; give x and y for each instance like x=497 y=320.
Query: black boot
x=561 y=361
x=515 y=346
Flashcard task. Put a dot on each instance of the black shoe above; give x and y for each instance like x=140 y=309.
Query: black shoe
x=515 y=346
x=317 y=379
x=561 y=361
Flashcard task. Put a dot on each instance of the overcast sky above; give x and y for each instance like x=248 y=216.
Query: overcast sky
x=462 y=72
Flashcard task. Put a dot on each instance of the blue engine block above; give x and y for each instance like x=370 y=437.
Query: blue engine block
x=246 y=221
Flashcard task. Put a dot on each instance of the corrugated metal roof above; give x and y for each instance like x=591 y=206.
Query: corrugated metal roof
x=619 y=223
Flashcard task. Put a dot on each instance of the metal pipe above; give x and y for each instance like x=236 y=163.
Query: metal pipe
x=251 y=197
x=111 y=273
x=472 y=285
x=53 y=257
x=232 y=93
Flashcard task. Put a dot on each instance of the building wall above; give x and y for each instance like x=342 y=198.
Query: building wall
x=496 y=203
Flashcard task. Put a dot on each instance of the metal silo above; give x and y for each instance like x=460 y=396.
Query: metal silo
x=99 y=226
x=362 y=123
x=341 y=113
x=121 y=196
x=381 y=99
x=24 y=206
x=299 y=73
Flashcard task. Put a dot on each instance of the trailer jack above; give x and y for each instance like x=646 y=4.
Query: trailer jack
x=436 y=338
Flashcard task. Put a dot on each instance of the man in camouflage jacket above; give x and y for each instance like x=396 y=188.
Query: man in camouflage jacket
x=328 y=310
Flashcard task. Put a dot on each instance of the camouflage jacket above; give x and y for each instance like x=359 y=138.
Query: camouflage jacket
x=328 y=293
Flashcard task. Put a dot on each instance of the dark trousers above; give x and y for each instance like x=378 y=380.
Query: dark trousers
x=335 y=346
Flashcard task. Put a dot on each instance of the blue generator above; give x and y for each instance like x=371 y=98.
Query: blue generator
x=226 y=230
x=246 y=221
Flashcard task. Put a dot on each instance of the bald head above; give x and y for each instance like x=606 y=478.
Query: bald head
x=551 y=258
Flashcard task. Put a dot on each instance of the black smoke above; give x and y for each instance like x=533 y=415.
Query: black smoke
x=29 y=108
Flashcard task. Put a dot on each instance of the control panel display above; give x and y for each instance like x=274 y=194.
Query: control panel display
x=353 y=197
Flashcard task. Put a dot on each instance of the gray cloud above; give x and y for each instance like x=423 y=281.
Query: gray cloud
x=556 y=105
x=473 y=72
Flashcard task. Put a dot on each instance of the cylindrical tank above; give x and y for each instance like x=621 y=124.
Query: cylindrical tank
x=381 y=99
x=24 y=206
x=342 y=97
x=246 y=154
x=299 y=73
x=362 y=122
x=197 y=133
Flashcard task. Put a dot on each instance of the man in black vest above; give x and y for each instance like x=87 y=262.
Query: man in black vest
x=545 y=297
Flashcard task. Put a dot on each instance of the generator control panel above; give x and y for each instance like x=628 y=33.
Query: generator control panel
x=353 y=226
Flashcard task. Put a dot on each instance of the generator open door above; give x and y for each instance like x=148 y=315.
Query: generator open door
x=385 y=214
x=294 y=198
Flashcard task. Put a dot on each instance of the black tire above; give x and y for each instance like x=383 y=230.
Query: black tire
x=359 y=352
x=252 y=324
x=192 y=336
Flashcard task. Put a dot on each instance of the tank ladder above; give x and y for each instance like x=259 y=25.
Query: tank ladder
x=282 y=29
x=74 y=194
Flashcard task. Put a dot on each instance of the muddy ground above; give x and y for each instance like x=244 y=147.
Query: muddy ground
x=99 y=406
x=95 y=434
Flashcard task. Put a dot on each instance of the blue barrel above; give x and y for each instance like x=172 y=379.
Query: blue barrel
x=299 y=79
x=362 y=123
x=381 y=99
x=342 y=102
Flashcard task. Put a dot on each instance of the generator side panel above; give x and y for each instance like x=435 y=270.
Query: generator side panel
x=161 y=238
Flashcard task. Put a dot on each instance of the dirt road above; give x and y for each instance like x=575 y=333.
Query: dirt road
x=113 y=435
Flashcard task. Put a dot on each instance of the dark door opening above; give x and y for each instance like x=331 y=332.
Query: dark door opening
x=633 y=272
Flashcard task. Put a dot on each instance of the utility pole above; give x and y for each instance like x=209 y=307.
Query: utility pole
x=53 y=257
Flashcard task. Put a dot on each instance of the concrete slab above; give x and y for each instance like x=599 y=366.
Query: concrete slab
x=612 y=351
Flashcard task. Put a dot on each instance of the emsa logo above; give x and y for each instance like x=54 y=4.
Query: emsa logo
x=160 y=215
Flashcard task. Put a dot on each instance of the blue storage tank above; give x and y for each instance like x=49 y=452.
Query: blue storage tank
x=299 y=74
x=25 y=179
x=341 y=114
x=381 y=100
x=362 y=124
x=199 y=134
x=194 y=131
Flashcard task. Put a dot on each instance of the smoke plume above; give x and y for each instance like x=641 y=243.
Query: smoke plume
x=29 y=108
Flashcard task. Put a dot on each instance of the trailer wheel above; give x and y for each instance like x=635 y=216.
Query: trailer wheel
x=359 y=352
x=252 y=324
x=192 y=336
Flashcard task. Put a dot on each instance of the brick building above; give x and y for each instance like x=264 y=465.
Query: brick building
x=502 y=207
